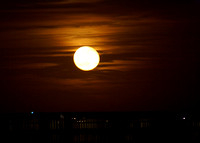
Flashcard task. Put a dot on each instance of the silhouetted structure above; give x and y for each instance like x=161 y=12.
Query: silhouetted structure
x=100 y=127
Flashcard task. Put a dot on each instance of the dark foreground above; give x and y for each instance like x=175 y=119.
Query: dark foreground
x=114 y=127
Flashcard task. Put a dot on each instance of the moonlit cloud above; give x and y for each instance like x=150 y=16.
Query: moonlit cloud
x=38 y=65
x=122 y=65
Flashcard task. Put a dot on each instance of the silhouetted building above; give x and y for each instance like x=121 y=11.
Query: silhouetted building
x=73 y=121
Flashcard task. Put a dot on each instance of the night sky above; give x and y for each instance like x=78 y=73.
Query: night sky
x=149 y=55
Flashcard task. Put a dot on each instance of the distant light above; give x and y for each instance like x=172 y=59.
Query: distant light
x=32 y=113
x=62 y=116
x=183 y=118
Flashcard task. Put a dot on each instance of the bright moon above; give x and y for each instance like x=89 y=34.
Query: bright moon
x=86 y=58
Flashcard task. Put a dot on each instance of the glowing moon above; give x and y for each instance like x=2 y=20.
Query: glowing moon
x=86 y=58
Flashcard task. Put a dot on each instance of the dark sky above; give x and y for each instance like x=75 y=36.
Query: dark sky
x=149 y=54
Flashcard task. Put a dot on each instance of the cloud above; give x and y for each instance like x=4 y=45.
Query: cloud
x=122 y=65
x=31 y=66
x=38 y=65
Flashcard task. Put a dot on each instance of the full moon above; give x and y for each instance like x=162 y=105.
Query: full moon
x=86 y=58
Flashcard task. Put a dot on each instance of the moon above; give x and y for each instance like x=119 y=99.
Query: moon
x=86 y=58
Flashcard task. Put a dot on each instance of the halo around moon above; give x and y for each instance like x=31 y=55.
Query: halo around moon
x=86 y=58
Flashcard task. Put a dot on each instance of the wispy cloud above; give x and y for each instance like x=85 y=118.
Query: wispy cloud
x=122 y=65
x=37 y=65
